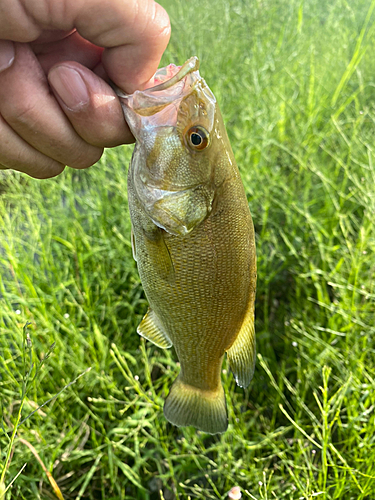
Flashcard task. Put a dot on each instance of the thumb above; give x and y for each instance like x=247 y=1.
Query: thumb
x=90 y=104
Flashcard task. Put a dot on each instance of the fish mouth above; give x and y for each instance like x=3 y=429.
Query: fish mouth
x=166 y=77
x=160 y=105
x=150 y=106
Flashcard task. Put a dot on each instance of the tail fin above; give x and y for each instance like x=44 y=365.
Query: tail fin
x=188 y=405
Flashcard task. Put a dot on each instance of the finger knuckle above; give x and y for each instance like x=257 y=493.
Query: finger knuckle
x=23 y=111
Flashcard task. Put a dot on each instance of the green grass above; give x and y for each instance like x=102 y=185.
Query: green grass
x=295 y=81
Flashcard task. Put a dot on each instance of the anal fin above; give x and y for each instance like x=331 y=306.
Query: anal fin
x=242 y=353
x=150 y=329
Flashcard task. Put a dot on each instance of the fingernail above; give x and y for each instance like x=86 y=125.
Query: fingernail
x=69 y=86
x=7 y=54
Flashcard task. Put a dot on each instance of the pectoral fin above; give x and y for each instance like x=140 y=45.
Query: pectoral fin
x=132 y=239
x=159 y=253
x=150 y=329
x=241 y=355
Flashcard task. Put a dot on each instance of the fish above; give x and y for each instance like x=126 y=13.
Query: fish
x=193 y=241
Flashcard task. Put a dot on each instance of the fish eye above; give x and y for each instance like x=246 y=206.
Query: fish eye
x=197 y=138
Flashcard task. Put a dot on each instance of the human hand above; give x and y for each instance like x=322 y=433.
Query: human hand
x=56 y=108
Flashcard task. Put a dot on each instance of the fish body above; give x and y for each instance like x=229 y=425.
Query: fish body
x=193 y=240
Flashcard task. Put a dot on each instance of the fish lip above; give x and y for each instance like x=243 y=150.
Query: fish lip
x=189 y=66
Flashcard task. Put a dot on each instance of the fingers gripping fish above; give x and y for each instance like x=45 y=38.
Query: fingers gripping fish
x=193 y=240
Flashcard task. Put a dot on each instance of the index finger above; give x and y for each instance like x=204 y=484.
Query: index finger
x=134 y=33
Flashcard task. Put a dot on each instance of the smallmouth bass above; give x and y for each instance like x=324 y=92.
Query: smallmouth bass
x=193 y=240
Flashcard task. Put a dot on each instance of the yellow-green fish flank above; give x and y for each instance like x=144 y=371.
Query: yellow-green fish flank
x=193 y=240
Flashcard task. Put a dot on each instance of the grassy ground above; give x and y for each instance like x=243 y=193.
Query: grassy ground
x=295 y=80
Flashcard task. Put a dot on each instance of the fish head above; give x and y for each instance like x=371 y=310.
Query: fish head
x=176 y=127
